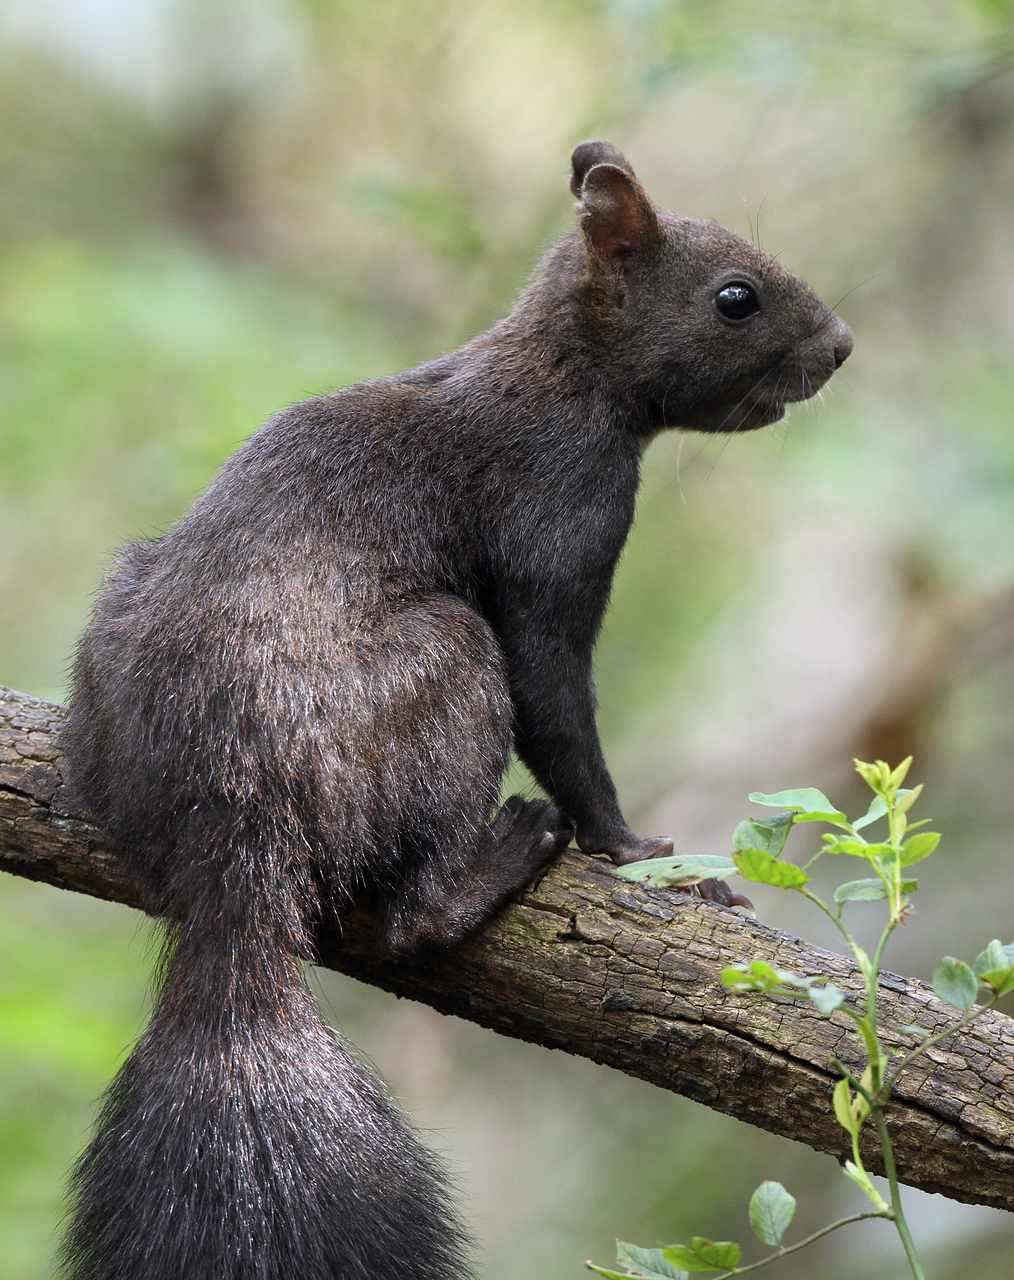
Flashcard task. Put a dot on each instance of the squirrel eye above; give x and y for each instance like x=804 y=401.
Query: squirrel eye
x=737 y=301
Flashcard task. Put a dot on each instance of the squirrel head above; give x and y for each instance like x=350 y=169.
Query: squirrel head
x=702 y=328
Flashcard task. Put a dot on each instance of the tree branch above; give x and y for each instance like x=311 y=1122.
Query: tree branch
x=625 y=976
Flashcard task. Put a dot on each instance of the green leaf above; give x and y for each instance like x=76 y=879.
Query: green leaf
x=827 y=998
x=797 y=800
x=854 y=848
x=877 y=809
x=995 y=967
x=832 y=816
x=871 y=890
x=842 y=1100
x=615 y=1275
x=954 y=981
x=771 y=1212
x=901 y=772
x=865 y=1184
x=650 y=1263
x=735 y=977
x=677 y=871
x=762 y=868
x=806 y=804
x=876 y=776
x=1001 y=980
x=861 y=890
x=702 y=1254
x=683 y=1256
x=769 y=834
x=722 y=1254
x=860 y=1107
x=995 y=956
x=759 y=975
x=918 y=847
x=789 y=979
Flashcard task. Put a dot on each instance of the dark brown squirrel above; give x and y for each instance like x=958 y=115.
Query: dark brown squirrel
x=303 y=696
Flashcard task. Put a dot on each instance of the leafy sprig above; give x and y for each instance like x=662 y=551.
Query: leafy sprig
x=858 y=1102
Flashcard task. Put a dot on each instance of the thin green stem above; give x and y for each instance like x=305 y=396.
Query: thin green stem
x=838 y=923
x=906 y=1060
x=884 y=938
x=876 y=1054
x=897 y=1210
x=802 y=1244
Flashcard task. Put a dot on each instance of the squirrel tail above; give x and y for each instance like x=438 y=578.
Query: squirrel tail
x=242 y=1140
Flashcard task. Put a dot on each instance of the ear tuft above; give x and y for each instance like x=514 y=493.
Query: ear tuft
x=616 y=215
x=588 y=154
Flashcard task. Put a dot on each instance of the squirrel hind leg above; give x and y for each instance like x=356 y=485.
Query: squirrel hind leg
x=443 y=903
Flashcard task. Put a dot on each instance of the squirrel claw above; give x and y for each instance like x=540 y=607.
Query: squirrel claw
x=635 y=849
x=718 y=891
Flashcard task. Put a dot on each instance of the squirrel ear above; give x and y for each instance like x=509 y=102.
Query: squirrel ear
x=615 y=213
x=587 y=154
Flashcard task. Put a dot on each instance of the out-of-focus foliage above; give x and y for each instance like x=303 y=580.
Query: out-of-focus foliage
x=212 y=209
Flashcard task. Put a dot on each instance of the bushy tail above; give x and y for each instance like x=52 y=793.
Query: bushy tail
x=243 y=1141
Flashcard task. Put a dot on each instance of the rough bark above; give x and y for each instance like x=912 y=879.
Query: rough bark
x=625 y=976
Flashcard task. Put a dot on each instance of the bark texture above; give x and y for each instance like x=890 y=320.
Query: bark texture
x=625 y=976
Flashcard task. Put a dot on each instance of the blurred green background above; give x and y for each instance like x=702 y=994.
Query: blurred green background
x=213 y=208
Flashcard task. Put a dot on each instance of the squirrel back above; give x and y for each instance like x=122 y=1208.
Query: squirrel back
x=303 y=696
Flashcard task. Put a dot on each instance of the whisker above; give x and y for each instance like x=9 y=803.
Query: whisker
x=737 y=429
x=718 y=455
x=832 y=310
x=709 y=435
x=679 y=464
x=665 y=398
x=725 y=444
x=757 y=221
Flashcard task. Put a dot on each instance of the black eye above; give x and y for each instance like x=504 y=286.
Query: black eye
x=737 y=301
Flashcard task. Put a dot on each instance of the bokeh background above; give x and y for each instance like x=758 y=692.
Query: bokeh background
x=212 y=208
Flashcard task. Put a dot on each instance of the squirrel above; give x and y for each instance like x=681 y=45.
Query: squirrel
x=302 y=698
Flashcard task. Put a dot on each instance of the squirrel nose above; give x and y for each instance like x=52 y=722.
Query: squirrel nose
x=842 y=344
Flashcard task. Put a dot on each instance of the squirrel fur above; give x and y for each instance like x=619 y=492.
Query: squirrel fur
x=302 y=697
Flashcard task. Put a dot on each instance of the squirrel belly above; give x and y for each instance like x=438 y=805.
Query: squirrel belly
x=303 y=697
